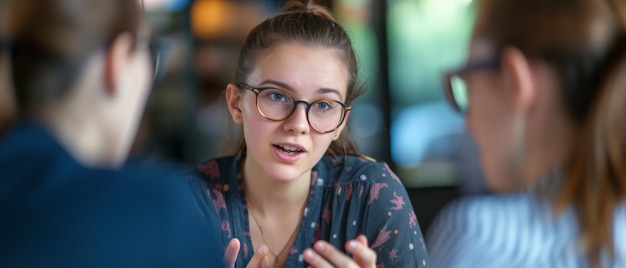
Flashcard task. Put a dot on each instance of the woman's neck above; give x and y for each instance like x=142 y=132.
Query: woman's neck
x=552 y=133
x=271 y=196
x=552 y=145
x=81 y=138
x=76 y=122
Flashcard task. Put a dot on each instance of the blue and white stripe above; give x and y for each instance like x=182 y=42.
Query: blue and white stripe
x=515 y=230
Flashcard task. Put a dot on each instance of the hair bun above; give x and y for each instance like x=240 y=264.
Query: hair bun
x=306 y=6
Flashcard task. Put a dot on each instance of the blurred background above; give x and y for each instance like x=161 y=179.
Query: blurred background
x=403 y=47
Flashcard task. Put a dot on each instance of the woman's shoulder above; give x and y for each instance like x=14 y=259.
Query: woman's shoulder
x=511 y=228
x=489 y=212
x=359 y=169
x=492 y=204
x=214 y=170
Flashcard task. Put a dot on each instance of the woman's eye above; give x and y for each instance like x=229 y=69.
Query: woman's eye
x=322 y=105
x=277 y=96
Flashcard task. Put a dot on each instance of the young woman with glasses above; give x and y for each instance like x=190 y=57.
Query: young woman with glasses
x=81 y=72
x=296 y=192
x=544 y=90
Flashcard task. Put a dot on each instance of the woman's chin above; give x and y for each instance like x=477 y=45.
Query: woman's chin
x=286 y=173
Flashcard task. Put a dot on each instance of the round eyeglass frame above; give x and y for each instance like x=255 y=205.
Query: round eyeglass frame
x=257 y=90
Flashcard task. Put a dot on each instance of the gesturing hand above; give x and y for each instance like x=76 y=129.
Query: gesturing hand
x=324 y=255
x=259 y=259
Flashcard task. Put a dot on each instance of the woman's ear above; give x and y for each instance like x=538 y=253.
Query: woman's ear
x=116 y=62
x=233 y=100
x=518 y=77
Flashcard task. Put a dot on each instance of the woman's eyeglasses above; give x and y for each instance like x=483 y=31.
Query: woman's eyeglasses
x=455 y=84
x=323 y=115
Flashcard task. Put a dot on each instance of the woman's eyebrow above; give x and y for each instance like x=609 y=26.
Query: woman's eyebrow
x=286 y=87
x=278 y=84
x=325 y=90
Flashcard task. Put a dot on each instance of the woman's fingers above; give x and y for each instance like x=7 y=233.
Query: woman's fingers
x=325 y=255
x=362 y=254
x=315 y=260
x=362 y=239
x=260 y=258
x=230 y=255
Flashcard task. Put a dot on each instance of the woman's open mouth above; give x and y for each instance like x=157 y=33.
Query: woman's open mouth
x=288 y=149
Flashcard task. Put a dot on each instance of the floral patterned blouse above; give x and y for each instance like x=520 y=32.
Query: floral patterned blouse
x=346 y=199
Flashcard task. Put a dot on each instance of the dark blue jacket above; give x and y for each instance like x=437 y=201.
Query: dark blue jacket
x=56 y=213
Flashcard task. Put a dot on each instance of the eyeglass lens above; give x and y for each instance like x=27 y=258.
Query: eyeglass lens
x=458 y=88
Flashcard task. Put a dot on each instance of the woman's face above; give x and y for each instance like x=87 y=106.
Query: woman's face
x=492 y=122
x=286 y=150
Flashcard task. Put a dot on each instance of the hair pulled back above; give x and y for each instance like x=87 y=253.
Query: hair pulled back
x=585 y=43
x=313 y=25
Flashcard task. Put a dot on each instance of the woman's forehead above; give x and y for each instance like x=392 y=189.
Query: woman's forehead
x=301 y=67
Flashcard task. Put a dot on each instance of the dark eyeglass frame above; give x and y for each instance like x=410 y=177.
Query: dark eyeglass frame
x=257 y=90
x=448 y=89
x=156 y=48
x=159 y=49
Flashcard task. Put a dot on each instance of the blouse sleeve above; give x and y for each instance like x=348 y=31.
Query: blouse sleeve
x=389 y=221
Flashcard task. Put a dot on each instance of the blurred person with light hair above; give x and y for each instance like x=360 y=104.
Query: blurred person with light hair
x=81 y=72
x=544 y=89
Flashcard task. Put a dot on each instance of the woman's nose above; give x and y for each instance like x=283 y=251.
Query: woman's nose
x=297 y=122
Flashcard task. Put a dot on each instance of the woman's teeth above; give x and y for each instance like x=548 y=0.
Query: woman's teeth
x=289 y=149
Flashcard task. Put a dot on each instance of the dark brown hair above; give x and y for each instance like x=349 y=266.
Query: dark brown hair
x=585 y=42
x=51 y=40
x=312 y=25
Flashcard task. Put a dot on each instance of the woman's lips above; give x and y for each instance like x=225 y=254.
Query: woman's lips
x=288 y=153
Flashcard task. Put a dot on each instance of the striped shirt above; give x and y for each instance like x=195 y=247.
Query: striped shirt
x=514 y=230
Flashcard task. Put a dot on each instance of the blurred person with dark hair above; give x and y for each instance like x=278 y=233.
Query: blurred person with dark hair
x=295 y=192
x=81 y=74
x=545 y=92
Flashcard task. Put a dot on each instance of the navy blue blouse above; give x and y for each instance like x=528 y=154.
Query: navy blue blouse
x=345 y=199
